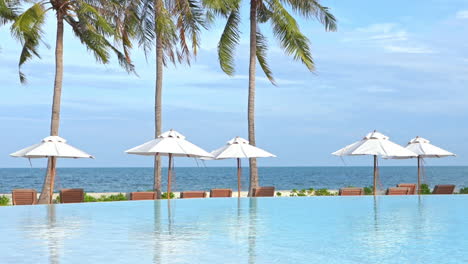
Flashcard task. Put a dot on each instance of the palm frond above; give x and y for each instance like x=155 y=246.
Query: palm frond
x=165 y=29
x=9 y=10
x=93 y=27
x=228 y=42
x=313 y=8
x=93 y=40
x=27 y=28
x=221 y=7
x=286 y=29
x=261 y=52
x=189 y=22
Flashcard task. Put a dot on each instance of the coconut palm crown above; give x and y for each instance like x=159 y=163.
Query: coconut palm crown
x=285 y=29
x=91 y=24
x=172 y=28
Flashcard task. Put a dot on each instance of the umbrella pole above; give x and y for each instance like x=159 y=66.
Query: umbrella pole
x=419 y=174
x=239 y=171
x=169 y=175
x=52 y=178
x=375 y=175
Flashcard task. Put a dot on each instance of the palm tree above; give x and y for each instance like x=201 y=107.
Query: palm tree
x=172 y=27
x=88 y=23
x=285 y=29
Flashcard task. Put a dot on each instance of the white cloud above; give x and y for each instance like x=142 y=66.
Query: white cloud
x=388 y=36
x=378 y=89
x=462 y=14
x=408 y=49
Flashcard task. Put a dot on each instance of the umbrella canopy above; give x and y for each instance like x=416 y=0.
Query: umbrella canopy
x=375 y=144
x=52 y=146
x=239 y=148
x=423 y=148
x=170 y=143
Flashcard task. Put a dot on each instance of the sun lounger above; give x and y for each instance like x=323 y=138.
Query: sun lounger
x=412 y=187
x=444 y=189
x=71 y=196
x=264 y=191
x=24 y=197
x=193 y=194
x=136 y=196
x=216 y=193
x=351 y=191
x=398 y=191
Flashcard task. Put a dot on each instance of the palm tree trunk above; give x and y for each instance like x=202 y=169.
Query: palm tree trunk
x=47 y=189
x=251 y=104
x=157 y=105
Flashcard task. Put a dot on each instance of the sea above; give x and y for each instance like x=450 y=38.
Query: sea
x=205 y=178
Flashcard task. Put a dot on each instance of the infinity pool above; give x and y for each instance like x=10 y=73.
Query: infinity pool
x=398 y=229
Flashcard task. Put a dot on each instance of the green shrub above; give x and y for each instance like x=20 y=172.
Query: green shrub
x=323 y=192
x=368 y=190
x=112 y=198
x=4 y=200
x=278 y=193
x=463 y=190
x=164 y=195
x=425 y=189
x=89 y=198
x=105 y=198
x=310 y=191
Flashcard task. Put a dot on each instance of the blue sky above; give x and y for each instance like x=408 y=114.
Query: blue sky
x=400 y=67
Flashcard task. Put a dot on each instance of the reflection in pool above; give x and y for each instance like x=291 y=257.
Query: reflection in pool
x=399 y=229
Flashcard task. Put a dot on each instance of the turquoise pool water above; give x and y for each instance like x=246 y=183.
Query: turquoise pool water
x=398 y=229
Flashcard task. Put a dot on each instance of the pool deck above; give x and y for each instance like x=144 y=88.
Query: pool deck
x=284 y=193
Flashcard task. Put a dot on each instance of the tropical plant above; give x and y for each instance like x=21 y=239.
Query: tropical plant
x=323 y=192
x=4 y=200
x=173 y=29
x=285 y=29
x=368 y=190
x=90 y=24
x=425 y=189
x=463 y=190
x=164 y=195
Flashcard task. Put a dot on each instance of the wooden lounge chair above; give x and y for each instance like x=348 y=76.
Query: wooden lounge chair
x=193 y=194
x=412 y=187
x=398 y=191
x=264 y=191
x=351 y=191
x=216 y=193
x=71 y=196
x=136 y=196
x=444 y=189
x=24 y=197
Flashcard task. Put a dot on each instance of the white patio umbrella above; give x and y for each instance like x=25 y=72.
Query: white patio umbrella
x=375 y=144
x=51 y=147
x=239 y=148
x=171 y=144
x=424 y=149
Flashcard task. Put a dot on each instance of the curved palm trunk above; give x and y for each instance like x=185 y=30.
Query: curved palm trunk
x=157 y=106
x=48 y=187
x=251 y=104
